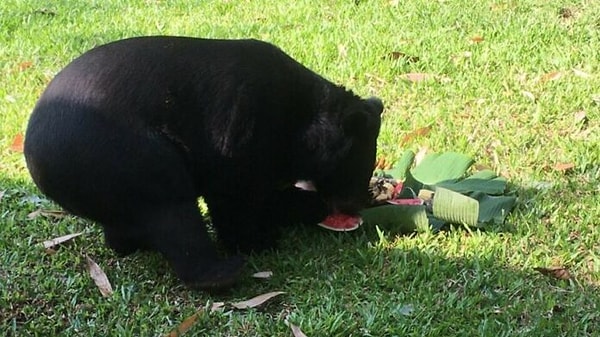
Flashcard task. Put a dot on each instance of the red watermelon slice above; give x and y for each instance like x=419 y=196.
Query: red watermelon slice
x=341 y=222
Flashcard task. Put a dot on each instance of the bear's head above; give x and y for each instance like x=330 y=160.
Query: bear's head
x=342 y=145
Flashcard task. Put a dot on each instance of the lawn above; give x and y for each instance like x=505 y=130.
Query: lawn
x=514 y=84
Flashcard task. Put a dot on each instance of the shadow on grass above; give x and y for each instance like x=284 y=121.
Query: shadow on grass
x=336 y=284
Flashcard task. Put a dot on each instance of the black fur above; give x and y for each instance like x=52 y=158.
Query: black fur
x=131 y=133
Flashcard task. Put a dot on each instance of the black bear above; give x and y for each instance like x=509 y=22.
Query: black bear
x=132 y=133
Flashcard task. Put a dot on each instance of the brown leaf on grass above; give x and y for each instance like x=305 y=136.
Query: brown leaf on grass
x=25 y=65
x=581 y=73
x=56 y=214
x=17 y=143
x=381 y=163
x=565 y=13
x=50 y=251
x=529 y=95
x=477 y=39
x=564 y=166
x=34 y=214
x=420 y=132
x=99 y=277
x=190 y=321
x=555 y=75
x=395 y=55
x=417 y=77
x=184 y=326
x=256 y=301
x=263 y=274
x=296 y=330
x=57 y=241
x=580 y=116
x=217 y=306
x=556 y=272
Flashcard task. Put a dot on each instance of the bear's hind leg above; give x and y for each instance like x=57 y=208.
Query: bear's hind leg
x=178 y=232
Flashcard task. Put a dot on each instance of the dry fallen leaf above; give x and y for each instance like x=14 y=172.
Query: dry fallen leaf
x=263 y=274
x=184 y=326
x=190 y=321
x=56 y=214
x=25 y=65
x=580 y=116
x=57 y=241
x=256 y=301
x=555 y=75
x=395 y=55
x=296 y=330
x=581 y=73
x=17 y=144
x=528 y=95
x=417 y=77
x=558 y=272
x=565 y=13
x=381 y=164
x=564 y=166
x=217 y=306
x=34 y=214
x=420 y=132
x=477 y=39
x=99 y=277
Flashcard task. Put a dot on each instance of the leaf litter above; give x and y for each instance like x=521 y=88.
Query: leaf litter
x=99 y=277
x=559 y=273
x=17 y=143
x=56 y=214
x=296 y=330
x=256 y=301
x=217 y=306
x=57 y=241
x=263 y=274
x=420 y=132
x=564 y=167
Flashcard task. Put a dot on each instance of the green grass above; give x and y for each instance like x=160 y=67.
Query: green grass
x=449 y=284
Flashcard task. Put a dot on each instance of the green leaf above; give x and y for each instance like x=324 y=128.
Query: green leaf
x=435 y=223
x=410 y=187
x=454 y=207
x=493 y=208
x=485 y=181
x=400 y=219
x=402 y=166
x=448 y=166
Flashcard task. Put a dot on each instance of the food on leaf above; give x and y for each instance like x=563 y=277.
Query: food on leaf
x=435 y=192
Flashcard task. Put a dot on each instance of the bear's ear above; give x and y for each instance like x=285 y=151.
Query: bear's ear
x=364 y=118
